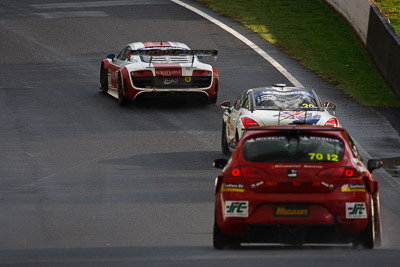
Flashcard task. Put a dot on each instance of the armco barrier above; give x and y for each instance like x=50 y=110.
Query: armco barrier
x=383 y=44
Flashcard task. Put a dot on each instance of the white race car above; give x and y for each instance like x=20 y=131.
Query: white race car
x=158 y=68
x=273 y=105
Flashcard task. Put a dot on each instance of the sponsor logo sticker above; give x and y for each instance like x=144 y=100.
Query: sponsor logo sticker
x=188 y=79
x=356 y=210
x=291 y=211
x=353 y=188
x=232 y=188
x=168 y=72
x=236 y=209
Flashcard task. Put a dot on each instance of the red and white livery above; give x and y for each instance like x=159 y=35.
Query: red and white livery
x=158 y=68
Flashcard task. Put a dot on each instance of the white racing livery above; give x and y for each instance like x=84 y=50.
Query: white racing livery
x=158 y=68
x=273 y=105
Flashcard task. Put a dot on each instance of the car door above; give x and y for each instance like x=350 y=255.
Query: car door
x=235 y=114
x=119 y=62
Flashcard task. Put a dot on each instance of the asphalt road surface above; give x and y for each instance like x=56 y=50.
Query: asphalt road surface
x=85 y=182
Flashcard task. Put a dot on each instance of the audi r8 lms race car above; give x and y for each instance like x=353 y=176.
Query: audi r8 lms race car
x=273 y=105
x=158 y=68
x=294 y=185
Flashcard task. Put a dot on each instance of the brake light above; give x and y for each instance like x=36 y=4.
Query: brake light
x=332 y=122
x=331 y=173
x=247 y=122
x=339 y=172
x=247 y=172
x=235 y=172
x=142 y=73
x=201 y=73
x=253 y=172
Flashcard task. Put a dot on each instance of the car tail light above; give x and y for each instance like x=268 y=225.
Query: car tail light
x=332 y=122
x=339 y=172
x=247 y=122
x=201 y=73
x=247 y=172
x=252 y=172
x=142 y=73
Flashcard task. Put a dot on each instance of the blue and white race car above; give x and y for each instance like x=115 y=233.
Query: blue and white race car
x=273 y=105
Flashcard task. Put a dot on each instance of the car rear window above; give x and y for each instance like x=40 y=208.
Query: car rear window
x=302 y=148
x=285 y=99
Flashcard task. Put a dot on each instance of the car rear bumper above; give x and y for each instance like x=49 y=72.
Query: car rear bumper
x=309 y=217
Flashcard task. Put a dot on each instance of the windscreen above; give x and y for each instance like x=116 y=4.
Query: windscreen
x=165 y=59
x=282 y=99
x=302 y=148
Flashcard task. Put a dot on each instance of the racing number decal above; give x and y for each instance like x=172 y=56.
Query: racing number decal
x=320 y=156
x=308 y=105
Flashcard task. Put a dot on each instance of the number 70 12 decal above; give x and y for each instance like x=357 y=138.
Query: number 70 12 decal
x=321 y=156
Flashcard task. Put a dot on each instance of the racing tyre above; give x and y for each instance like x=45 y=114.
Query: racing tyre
x=224 y=141
x=223 y=241
x=377 y=221
x=367 y=238
x=121 y=98
x=103 y=80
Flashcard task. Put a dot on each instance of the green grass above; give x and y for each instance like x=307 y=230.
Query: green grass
x=391 y=9
x=316 y=36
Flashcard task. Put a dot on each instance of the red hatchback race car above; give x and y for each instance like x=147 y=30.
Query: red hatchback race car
x=294 y=185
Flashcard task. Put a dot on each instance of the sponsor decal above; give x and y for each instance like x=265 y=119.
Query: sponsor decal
x=356 y=210
x=353 y=188
x=236 y=209
x=188 y=79
x=171 y=81
x=168 y=72
x=232 y=188
x=291 y=211
x=312 y=166
x=287 y=166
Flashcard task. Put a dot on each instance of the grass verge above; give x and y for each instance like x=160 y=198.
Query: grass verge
x=391 y=9
x=316 y=36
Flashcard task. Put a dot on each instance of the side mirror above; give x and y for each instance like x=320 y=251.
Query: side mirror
x=220 y=163
x=111 y=56
x=374 y=164
x=225 y=105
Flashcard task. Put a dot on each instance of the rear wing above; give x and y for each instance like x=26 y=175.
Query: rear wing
x=174 y=52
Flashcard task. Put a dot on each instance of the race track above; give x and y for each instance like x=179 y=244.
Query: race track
x=86 y=182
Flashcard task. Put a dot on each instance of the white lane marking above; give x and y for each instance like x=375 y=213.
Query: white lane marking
x=76 y=14
x=98 y=4
x=252 y=45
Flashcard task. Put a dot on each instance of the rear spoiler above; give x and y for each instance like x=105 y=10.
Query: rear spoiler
x=174 y=52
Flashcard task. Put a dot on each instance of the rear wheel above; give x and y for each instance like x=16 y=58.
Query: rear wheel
x=122 y=100
x=367 y=238
x=224 y=140
x=103 y=80
x=223 y=241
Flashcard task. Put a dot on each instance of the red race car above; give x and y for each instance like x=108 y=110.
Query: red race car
x=294 y=185
x=158 y=68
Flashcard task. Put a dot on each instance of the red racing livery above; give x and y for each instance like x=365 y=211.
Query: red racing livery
x=294 y=185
